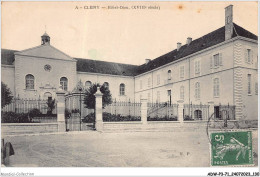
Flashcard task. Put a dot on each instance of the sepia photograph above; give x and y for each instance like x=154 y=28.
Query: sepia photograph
x=129 y=84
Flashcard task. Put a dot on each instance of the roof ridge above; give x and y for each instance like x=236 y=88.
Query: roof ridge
x=10 y=49
x=105 y=61
x=191 y=42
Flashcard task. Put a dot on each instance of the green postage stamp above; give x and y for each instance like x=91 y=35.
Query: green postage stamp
x=231 y=148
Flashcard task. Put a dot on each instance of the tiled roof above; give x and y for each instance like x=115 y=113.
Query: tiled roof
x=239 y=31
x=196 y=45
x=103 y=67
x=95 y=66
x=7 y=56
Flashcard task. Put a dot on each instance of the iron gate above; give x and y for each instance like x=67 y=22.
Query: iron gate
x=77 y=117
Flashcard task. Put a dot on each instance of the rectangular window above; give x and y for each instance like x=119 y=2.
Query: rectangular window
x=216 y=60
x=249 y=55
x=216 y=87
x=182 y=72
x=158 y=79
x=217 y=111
x=197 y=67
x=197 y=90
x=158 y=96
x=149 y=82
x=256 y=88
x=249 y=84
x=169 y=96
x=141 y=84
x=149 y=97
x=169 y=92
x=182 y=92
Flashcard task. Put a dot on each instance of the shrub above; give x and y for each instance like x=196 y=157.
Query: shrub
x=51 y=106
x=12 y=117
x=75 y=110
x=165 y=118
x=90 y=118
x=35 y=113
x=107 y=117
x=187 y=118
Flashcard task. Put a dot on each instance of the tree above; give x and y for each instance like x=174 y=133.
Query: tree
x=6 y=97
x=51 y=105
x=89 y=99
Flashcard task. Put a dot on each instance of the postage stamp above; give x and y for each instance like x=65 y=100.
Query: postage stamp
x=231 y=148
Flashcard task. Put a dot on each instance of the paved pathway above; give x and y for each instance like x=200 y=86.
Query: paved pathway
x=131 y=149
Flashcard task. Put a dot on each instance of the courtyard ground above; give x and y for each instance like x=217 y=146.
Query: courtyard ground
x=123 y=149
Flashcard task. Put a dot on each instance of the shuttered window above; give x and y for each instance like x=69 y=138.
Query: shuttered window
x=181 y=72
x=158 y=79
x=216 y=87
x=197 y=90
x=197 y=67
x=256 y=88
x=182 y=92
x=149 y=82
x=249 y=84
x=216 y=60
x=158 y=96
x=249 y=56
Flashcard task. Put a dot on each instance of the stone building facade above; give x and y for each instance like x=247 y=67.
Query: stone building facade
x=219 y=67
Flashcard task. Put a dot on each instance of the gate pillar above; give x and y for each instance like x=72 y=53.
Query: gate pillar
x=180 y=111
x=144 y=111
x=211 y=109
x=61 y=110
x=98 y=110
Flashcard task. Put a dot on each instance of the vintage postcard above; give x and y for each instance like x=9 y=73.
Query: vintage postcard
x=130 y=84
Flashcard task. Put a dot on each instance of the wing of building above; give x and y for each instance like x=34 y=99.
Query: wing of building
x=219 y=67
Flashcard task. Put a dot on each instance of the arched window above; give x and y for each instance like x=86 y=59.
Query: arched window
x=216 y=87
x=197 y=90
x=182 y=92
x=106 y=84
x=88 y=84
x=122 y=89
x=169 y=74
x=29 y=81
x=64 y=83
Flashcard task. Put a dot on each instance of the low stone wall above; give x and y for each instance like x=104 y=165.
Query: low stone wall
x=154 y=126
x=28 y=128
x=176 y=125
x=112 y=126
x=234 y=124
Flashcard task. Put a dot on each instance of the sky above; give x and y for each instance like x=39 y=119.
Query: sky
x=117 y=35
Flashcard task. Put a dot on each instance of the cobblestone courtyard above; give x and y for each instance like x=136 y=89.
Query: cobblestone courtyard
x=129 y=149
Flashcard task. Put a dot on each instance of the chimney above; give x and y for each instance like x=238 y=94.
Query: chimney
x=147 y=61
x=189 y=39
x=228 y=22
x=178 y=46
